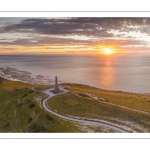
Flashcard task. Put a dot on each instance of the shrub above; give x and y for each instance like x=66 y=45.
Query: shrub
x=31 y=105
x=6 y=125
x=48 y=117
x=25 y=95
x=31 y=91
x=30 y=119
x=36 y=128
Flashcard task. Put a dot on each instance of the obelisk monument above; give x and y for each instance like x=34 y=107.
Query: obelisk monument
x=56 y=85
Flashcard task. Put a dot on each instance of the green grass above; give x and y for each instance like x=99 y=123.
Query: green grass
x=29 y=116
x=132 y=100
x=73 y=104
x=42 y=87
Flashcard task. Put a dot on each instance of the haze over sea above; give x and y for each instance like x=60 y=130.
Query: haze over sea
x=118 y=72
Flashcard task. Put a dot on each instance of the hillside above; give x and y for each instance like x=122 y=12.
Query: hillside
x=28 y=116
x=21 y=111
x=129 y=111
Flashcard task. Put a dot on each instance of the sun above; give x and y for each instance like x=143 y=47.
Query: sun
x=108 y=51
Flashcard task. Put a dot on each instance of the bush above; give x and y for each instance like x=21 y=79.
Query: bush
x=25 y=95
x=31 y=91
x=48 y=117
x=31 y=105
x=30 y=119
x=36 y=128
x=6 y=125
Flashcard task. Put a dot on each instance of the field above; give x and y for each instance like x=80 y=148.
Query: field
x=21 y=109
x=27 y=115
x=78 y=103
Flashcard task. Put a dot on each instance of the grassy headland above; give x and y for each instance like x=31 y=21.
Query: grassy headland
x=78 y=103
x=28 y=115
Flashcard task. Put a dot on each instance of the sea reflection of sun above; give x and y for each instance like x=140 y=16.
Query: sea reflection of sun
x=107 y=74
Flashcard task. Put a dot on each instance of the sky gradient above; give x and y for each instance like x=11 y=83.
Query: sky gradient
x=84 y=35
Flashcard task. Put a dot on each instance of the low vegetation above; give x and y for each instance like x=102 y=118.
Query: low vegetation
x=29 y=116
x=131 y=100
x=77 y=104
x=21 y=109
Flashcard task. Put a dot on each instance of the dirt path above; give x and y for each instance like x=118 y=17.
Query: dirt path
x=50 y=94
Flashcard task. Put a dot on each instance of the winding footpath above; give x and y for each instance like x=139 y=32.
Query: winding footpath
x=51 y=94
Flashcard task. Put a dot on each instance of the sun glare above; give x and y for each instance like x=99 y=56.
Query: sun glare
x=108 y=51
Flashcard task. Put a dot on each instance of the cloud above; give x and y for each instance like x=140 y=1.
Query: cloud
x=80 y=26
x=77 y=31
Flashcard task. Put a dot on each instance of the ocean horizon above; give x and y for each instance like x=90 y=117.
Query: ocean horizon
x=130 y=73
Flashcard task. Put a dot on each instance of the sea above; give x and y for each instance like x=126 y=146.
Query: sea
x=120 y=72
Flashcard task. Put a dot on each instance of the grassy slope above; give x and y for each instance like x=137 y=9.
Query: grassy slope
x=132 y=100
x=75 y=105
x=29 y=116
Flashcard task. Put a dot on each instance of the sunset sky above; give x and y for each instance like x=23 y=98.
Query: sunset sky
x=50 y=35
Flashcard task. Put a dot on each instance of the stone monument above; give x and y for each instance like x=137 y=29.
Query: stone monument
x=56 y=85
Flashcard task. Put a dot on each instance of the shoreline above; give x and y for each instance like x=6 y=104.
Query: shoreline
x=123 y=102
x=110 y=90
x=14 y=74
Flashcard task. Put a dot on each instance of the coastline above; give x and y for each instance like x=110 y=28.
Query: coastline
x=124 y=102
x=14 y=74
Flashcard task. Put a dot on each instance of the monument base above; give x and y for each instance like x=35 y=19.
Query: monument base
x=56 y=92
